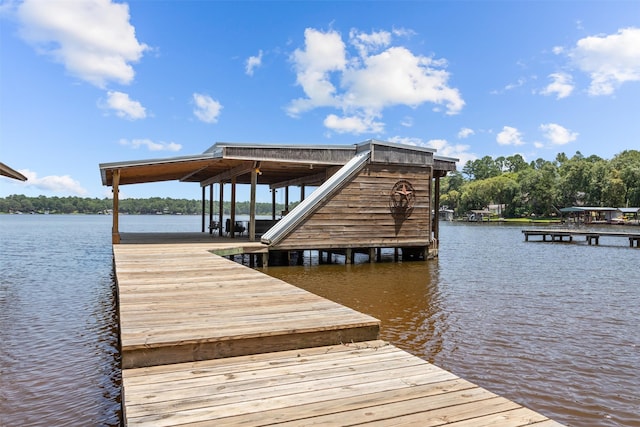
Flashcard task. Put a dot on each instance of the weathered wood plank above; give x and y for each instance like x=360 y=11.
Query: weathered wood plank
x=308 y=413
x=179 y=301
x=206 y=341
x=365 y=383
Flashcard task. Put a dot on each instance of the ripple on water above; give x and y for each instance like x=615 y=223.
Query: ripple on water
x=59 y=358
x=551 y=326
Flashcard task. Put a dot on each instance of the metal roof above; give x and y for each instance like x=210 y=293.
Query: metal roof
x=629 y=210
x=587 y=209
x=278 y=164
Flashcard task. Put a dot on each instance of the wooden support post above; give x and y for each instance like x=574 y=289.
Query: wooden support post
x=286 y=199
x=221 y=208
x=252 y=206
x=210 y=208
x=300 y=257
x=436 y=210
x=273 y=204
x=302 y=192
x=115 y=232
x=203 y=208
x=348 y=256
x=395 y=255
x=265 y=260
x=379 y=255
x=372 y=255
x=232 y=224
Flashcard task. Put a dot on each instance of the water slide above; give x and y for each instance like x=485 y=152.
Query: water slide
x=308 y=205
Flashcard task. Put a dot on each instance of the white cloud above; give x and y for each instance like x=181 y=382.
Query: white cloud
x=521 y=81
x=151 y=145
x=407 y=121
x=397 y=77
x=252 y=63
x=93 y=39
x=610 y=60
x=324 y=53
x=124 y=106
x=465 y=133
x=509 y=136
x=57 y=184
x=207 y=109
x=403 y=32
x=353 y=124
x=365 y=43
x=363 y=83
x=442 y=146
x=561 y=85
x=557 y=134
x=511 y=86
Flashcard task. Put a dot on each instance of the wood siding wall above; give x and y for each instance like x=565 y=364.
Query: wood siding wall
x=402 y=156
x=359 y=214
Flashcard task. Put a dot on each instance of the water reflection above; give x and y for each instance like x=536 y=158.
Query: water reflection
x=551 y=326
x=59 y=359
x=104 y=324
x=404 y=297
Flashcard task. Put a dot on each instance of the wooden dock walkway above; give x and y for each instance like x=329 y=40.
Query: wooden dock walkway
x=180 y=303
x=207 y=341
x=591 y=236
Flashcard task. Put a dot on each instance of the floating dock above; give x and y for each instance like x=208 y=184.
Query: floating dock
x=592 y=237
x=207 y=341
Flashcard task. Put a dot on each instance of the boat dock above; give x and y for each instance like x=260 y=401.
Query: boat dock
x=592 y=237
x=207 y=341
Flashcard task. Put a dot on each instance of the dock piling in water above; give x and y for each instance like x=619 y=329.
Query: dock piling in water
x=591 y=237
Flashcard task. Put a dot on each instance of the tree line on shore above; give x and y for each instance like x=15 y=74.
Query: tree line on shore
x=522 y=189
x=542 y=187
x=143 y=206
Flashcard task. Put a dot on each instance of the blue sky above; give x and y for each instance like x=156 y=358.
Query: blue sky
x=96 y=81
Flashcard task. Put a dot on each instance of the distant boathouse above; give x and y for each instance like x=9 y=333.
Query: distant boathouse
x=367 y=196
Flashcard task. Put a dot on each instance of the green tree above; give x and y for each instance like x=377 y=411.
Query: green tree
x=515 y=163
x=482 y=168
x=504 y=190
x=538 y=186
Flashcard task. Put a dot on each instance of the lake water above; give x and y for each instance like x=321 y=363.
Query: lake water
x=555 y=327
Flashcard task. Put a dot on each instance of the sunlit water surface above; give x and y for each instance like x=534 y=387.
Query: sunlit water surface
x=555 y=327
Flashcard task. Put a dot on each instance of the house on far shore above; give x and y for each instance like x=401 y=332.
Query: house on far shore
x=479 y=215
x=599 y=215
x=630 y=215
x=445 y=214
